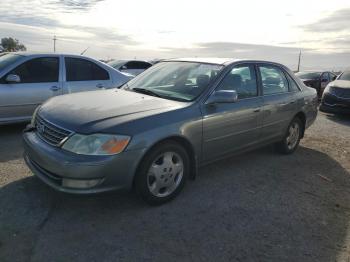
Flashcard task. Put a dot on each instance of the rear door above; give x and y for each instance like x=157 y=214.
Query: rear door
x=39 y=80
x=278 y=102
x=84 y=75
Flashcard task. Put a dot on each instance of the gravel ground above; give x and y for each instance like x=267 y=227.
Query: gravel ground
x=260 y=206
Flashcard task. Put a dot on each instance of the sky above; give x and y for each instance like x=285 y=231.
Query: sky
x=254 y=29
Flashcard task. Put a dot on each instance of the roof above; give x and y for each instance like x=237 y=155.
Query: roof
x=208 y=60
x=44 y=54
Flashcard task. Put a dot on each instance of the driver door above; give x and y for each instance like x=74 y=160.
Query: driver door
x=38 y=81
x=229 y=127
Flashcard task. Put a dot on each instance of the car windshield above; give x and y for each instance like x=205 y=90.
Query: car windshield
x=116 y=63
x=309 y=75
x=181 y=81
x=345 y=76
x=8 y=59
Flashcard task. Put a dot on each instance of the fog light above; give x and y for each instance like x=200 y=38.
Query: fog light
x=74 y=183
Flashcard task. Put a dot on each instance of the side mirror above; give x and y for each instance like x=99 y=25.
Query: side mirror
x=324 y=80
x=123 y=67
x=12 y=78
x=223 y=96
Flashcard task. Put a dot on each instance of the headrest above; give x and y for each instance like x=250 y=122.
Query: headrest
x=272 y=80
x=202 y=80
x=236 y=80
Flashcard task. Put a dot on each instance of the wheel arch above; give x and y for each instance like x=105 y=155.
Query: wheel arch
x=185 y=143
x=301 y=115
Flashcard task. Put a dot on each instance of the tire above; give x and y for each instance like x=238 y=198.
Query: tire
x=291 y=140
x=162 y=173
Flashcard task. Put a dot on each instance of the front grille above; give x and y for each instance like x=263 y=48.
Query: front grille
x=49 y=132
x=341 y=92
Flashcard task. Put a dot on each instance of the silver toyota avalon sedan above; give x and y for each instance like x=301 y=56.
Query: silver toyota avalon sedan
x=154 y=132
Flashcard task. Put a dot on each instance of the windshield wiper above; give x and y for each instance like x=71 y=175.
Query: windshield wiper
x=146 y=92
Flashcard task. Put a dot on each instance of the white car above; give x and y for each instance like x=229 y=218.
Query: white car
x=133 y=67
x=27 y=80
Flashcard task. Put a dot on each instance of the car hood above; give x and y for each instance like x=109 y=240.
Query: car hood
x=340 y=83
x=83 y=112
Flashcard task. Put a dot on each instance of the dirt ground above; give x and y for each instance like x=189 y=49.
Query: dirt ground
x=260 y=206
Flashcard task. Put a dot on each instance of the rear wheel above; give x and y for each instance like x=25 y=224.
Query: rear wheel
x=163 y=173
x=292 y=137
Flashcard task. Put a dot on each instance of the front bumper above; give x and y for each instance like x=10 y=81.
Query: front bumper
x=54 y=165
x=334 y=104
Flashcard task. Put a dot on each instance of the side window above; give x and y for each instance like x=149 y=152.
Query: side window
x=78 y=69
x=325 y=77
x=38 y=70
x=131 y=65
x=143 y=65
x=243 y=80
x=273 y=80
x=332 y=76
x=293 y=87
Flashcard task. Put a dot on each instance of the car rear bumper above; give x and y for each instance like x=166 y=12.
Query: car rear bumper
x=333 y=104
x=79 y=174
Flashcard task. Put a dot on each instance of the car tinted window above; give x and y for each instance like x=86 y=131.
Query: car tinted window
x=273 y=80
x=292 y=84
x=135 y=65
x=78 y=69
x=38 y=70
x=143 y=65
x=325 y=76
x=243 y=80
x=116 y=64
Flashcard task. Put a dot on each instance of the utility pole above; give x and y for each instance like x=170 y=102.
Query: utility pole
x=299 y=61
x=54 y=43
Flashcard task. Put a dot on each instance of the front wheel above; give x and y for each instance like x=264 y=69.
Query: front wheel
x=292 y=137
x=162 y=173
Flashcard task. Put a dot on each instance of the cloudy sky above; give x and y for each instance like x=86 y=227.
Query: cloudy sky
x=269 y=29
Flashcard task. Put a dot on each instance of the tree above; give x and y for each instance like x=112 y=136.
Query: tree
x=12 y=45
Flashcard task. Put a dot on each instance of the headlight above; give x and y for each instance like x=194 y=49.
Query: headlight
x=32 y=121
x=96 y=144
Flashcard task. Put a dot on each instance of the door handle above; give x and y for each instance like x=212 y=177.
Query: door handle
x=55 y=88
x=100 y=86
x=257 y=110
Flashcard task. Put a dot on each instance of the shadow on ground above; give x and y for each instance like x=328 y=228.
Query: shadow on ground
x=11 y=142
x=339 y=118
x=256 y=207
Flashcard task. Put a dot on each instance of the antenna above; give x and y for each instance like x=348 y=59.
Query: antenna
x=84 y=50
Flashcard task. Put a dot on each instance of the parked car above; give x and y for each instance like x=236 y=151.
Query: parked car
x=133 y=67
x=317 y=80
x=154 y=132
x=336 y=96
x=27 y=80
